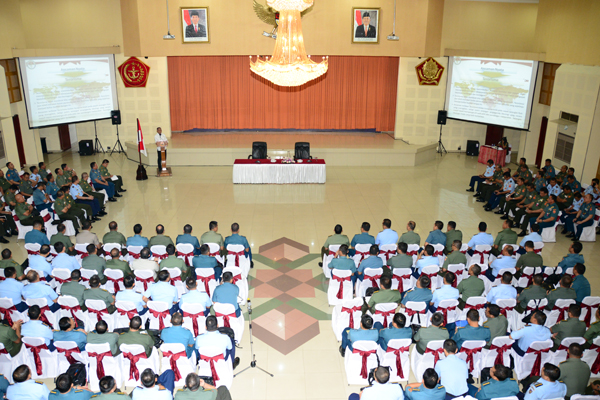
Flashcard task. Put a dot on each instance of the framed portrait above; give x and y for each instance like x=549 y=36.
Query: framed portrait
x=365 y=25
x=194 y=25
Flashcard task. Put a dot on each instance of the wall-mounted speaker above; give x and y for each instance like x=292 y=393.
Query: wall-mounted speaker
x=442 y=116
x=115 y=116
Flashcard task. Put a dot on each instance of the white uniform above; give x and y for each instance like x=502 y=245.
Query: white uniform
x=153 y=393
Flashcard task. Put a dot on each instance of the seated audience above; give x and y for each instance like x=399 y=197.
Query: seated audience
x=452 y=234
x=195 y=296
x=25 y=387
x=400 y=260
x=95 y=292
x=172 y=261
x=137 y=239
x=384 y=295
x=187 y=237
x=40 y=290
x=446 y=292
x=74 y=288
x=453 y=371
x=212 y=337
x=136 y=336
x=236 y=238
x=205 y=260
x=500 y=384
x=65 y=389
x=573 y=257
x=145 y=263
x=163 y=291
x=102 y=335
x=410 y=236
x=363 y=237
x=94 y=262
x=36 y=328
x=482 y=238
x=564 y=291
x=397 y=330
x=68 y=332
x=160 y=239
x=435 y=331
x=470 y=287
x=504 y=261
x=366 y=332
x=567 y=328
x=381 y=388
x=496 y=323
x=373 y=261
x=62 y=259
x=436 y=236
x=227 y=293
x=574 y=373
x=178 y=334
x=548 y=386
x=454 y=256
x=13 y=289
x=420 y=293
x=471 y=331
x=387 y=235
x=129 y=294
x=503 y=291
x=430 y=389
x=114 y=236
x=534 y=332
x=580 y=283
x=534 y=292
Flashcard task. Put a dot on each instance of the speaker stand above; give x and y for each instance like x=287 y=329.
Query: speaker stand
x=118 y=147
x=97 y=145
x=441 y=149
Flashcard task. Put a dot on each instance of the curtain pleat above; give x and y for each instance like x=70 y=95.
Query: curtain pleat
x=220 y=92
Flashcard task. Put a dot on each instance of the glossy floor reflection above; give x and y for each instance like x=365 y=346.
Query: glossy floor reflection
x=292 y=222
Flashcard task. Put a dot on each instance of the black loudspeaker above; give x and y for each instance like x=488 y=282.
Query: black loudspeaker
x=472 y=148
x=442 y=116
x=302 y=151
x=86 y=147
x=259 y=151
x=115 y=116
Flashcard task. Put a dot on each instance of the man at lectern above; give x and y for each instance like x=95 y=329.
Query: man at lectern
x=161 y=142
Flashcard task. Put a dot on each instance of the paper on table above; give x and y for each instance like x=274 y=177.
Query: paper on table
x=114 y=178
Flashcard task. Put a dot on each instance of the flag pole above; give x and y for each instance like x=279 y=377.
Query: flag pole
x=141 y=174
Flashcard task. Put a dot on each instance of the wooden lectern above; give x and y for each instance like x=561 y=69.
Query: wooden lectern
x=162 y=169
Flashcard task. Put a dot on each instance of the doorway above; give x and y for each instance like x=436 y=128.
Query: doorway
x=19 y=139
x=541 y=141
x=64 y=137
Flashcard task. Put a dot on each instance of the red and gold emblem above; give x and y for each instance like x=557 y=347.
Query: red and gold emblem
x=429 y=72
x=134 y=73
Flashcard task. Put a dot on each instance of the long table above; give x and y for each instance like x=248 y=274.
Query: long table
x=490 y=153
x=274 y=171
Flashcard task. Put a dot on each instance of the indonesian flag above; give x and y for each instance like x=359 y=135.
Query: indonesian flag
x=140 y=139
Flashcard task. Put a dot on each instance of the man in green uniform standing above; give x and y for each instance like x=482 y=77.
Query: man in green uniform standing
x=573 y=372
x=452 y=234
x=26 y=213
x=96 y=293
x=160 y=239
x=505 y=236
x=107 y=175
x=65 y=211
x=136 y=336
x=172 y=261
x=116 y=263
x=570 y=327
x=410 y=237
x=336 y=238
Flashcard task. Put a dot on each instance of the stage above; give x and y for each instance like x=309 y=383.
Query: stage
x=368 y=149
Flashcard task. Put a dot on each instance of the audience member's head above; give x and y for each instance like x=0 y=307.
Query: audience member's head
x=187 y=229
x=21 y=373
x=365 y=226
x=399 y=320
x=550 y=372
x=170 y=249
x=95 y=282
x=160 y=229
x=386 y=282
x=482 y=226
x=366 y=321
x=430 y=378
x=437 y=319
x=387 y=223
x=148 y=378
x=450 y=347
x=211 y=323
x=507 y=277
x=34 y=312
x=337 y=229
x=137 y=229
x=177 y=319
x=145 y=253
x=135 y=323
x=101 y=327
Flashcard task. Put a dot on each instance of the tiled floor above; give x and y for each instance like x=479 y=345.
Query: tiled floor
x=286 y=226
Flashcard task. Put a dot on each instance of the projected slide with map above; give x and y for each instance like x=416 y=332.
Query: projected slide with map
x=62 y=90
x=491 y=91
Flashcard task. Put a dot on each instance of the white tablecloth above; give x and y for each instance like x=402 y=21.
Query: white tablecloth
x=279 y=173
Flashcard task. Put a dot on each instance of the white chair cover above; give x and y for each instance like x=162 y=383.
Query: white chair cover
x=110 y=364
x=175 y=274
x=384 y=313
x=559 y=312
x=214 y=251
x=397 y=351
x=590 y=355
x=191 y=312
x=243 y=260
x=64 y=347
x=340 y=287
x=47 y=358
x=420 y=362
x=340 y=317
x=126 y=310
x=206 y=280
x=158 y=314
x=498 y=353
x=240 y=281
x=225 y=312
x=61 y=275
x=185 y=251
x=471 y=352
x=403 y=275
x=364 y=353
x=108 y=247
x=524 y=365
x=140 y=365
x=387 y=251
x=183 y=365
x=560 y=354
x=133 y=253
x=43 y=304
x=69 y=307
x=362 y=252
x=143 y=279
x=416 y=312
x=327 y=259
x=507 y=308
x=96 y=310
x=432 y=272
x=222 y=367
x=114 y=277
x=371 y=279
x=589 y=305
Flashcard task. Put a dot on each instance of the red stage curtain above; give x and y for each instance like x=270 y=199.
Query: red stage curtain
x=220 y=92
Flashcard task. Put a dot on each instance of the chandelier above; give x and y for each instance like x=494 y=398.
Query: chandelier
x=289 y=65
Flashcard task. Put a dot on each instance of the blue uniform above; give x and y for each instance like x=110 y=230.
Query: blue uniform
x=481 y=238
x=370 y=262
x=204 y=261
x=227 y=293
x=187 y=238
x=137 y=240
x=501 y=263
x=533 y=236
x=35 y=236
x=76 y=336
x=237 y=239
x=424 y=262
x=215 y=339
x=418 y=294
x=436 y=237
x=52 y=188
x=195 y=297
x=582 y=287
x=63 y=260
x=387 y=334
x=570 y=260
x=36 y=328
x=40 y=263
x=39 y=290
x=75 y=191
x=3 y=385
x=28 y=390
x=39 y=198
x=501 y=292
x=529 y=334
x=493 y=389
x=73 y=394
x=446 y=292
x=133 y=296
x=469 y=332
x=590 y=190
x=554 y=190
x=12 y=289
x=350 y=336
x=550 y=171
x=178 y=334
x=110 y=188
x=423 y=393
x=13 y=175
x=362 y=238
x=453 y=373
x=162 y=291
x=386 y=236
x=543 y=389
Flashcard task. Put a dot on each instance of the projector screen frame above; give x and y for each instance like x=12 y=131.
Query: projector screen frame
x=533 y=90
x=26 y=95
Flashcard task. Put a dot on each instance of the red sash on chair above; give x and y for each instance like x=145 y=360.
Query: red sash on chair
x=537 y=251
x=206 y=280
x=130 y=313
x=500 y=352
x=398 y=352
x=373 y=279
x=225 y=318
x=596 y=365
x=340 y=293
x=3 y=351
x=438 y=253
x=61 y=280
x=412 y=253
x=216 y=253
x=535 y=371
x=351 y=312
x=236 y=278
x=32 y=253
x=505 y=310
x=83 y=254
x=237 y=256
x=365 y=356
x=99 y=313
x=72 y=310
x=436 y=354
x=173 y=361
x=115 y=282
x=470 y=355
x=133 y=359
x=412 y=312
x=194 y=318
x=185 y=257
x=529 y=278
x=7 y=314
x=561 y=312
x=145 y=281
x=161 y=315
x=134 y=255
x=444 y=310
x=388 y=253
x=385 y=314
x=211 y=361
x=99 y=366
x=481 y=254
x=362 y=255
x=43 y=317
x=68 y=353
x=475 y=306
x=401 y=281
x=36 y=355
x=160 y=256
x=588 y=315
x=565 y=348
x=175 y=279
